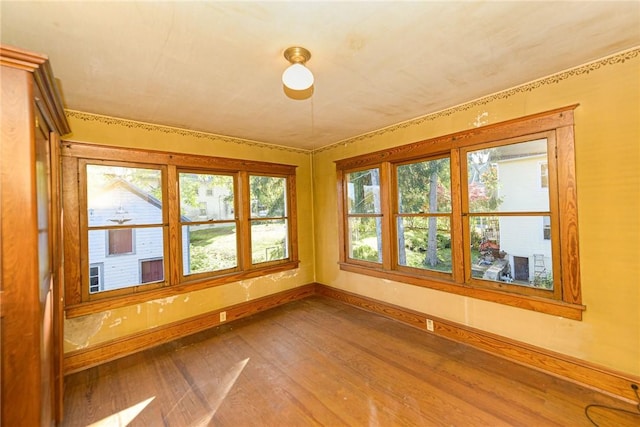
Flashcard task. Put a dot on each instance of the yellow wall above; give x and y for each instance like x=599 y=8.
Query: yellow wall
x=86 y=331
x=608 y=168
x=608 y=165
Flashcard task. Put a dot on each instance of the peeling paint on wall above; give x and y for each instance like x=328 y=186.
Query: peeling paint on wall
x=246 y=284
x=481 y=119
x=79 y=330
x=163 y=301
x=283 y=275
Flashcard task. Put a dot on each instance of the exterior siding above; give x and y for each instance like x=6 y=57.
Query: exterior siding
x=521 y=190
x=123 y=270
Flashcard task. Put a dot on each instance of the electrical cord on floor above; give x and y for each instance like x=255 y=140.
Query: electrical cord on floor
x=611 y=408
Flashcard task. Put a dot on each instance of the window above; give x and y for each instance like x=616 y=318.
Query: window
x=269 y=221
x=504 y=209
x=95 y=278
x=151 y=270
x=209 y=238
x=147 y=222
x=423 y=215
x=124 y=209
x=120 y=241
x=463 y=213
x=364 y=215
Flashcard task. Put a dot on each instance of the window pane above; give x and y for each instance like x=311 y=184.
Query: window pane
x=365 y=241
x=508 y=178
x=210 y=247
x=268 y=195
x=205 y=197
x=123 y=271
x=363 y=191
x=511 y=249
x=424 y=187
x=269 y=240
x=119 y=195
x=425 y=243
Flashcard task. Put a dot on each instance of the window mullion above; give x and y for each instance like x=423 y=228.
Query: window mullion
x=386 y=208
x=292 y=225
x=459 y=223
x=173 y=248
x=342 y=216
x=243 y=213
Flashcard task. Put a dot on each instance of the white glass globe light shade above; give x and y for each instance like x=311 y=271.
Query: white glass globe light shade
x=297 y=77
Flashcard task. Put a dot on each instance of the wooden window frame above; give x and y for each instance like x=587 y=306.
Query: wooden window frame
x=566 y=300
x=75 y=156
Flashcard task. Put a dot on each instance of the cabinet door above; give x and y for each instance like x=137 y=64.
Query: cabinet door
x=26 y=253
x=21 y=324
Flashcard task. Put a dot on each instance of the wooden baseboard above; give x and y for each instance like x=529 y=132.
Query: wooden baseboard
x=79 y=360
x=584 y=373
x=599 y=378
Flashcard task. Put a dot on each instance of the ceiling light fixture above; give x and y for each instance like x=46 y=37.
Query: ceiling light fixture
x=297 y=76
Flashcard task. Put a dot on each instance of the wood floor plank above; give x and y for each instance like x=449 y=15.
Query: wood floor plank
x=320 y=362
x=468 y=381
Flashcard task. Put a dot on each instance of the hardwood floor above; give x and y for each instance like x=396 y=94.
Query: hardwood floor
x=318 y=361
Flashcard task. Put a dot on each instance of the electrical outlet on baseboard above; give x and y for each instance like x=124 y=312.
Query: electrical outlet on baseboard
x=223 y=316
x=430 y=325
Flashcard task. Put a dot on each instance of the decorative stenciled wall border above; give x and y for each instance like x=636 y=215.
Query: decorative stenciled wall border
x=528 y=87
x=149 y=127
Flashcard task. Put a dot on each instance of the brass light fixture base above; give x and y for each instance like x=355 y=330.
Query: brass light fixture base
x=297 y=55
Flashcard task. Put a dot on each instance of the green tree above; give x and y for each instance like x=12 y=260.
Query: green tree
x=483 y=181
x=268 y=196
x=424 y=187
x=365 y=198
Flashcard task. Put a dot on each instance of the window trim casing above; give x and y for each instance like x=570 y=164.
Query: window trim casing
x=560 y=121
x=75 y=268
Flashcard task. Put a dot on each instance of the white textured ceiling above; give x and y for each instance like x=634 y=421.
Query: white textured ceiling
x=216 y=66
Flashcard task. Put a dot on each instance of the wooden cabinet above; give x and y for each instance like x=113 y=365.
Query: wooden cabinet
x=32 y=119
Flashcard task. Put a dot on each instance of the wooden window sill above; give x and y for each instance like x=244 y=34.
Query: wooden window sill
x=103 y=304
x=542 y=305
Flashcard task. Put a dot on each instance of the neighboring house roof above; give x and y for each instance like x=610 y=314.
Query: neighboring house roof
x=147 y=197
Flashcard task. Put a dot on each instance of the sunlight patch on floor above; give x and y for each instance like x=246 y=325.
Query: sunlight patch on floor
x=217 y=396
x=124 y=417
x=228 y=382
